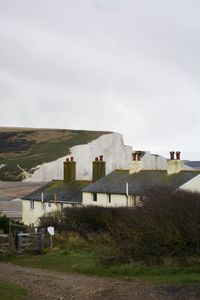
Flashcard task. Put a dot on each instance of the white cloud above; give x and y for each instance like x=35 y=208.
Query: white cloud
x=127 y=66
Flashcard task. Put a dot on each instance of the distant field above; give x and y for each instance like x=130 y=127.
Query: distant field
x=11 y=190
x=28 y=147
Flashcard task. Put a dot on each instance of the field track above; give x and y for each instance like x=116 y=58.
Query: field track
x=43 y=284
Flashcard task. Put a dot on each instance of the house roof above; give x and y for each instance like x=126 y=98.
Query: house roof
x=115 y=182
x=59 y=190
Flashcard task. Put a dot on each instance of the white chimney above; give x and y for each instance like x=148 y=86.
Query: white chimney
x=136 y=164
x=174 y=165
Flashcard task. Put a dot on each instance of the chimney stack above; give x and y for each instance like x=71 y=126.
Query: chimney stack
x=136 y=163
x=69 y=170
x=174 y=165
x=99 y=168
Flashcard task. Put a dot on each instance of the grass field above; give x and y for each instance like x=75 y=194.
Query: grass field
x=85 y=262
x=10 y=291
x=29 y=148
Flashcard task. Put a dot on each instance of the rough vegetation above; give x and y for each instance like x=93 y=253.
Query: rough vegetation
x=156 y=242
x=27 y=148
x=164 y=228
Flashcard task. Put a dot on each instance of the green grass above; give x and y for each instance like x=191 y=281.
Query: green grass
x=10 y=291
x=85 y=262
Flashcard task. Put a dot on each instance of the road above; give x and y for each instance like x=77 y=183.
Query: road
x=49 y=285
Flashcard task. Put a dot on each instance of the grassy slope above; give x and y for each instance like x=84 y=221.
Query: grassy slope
x=85 y=262
x=31 y=147
x=10 y=291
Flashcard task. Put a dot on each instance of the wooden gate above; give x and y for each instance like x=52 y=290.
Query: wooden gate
x=29 y=242
x=5 y=244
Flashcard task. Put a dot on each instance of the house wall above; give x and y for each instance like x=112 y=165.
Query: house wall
x=116 y=200
x=31 y=216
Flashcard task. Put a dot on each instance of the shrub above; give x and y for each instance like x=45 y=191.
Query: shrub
x=70 y=241
x=4 y=223
x=165 y=227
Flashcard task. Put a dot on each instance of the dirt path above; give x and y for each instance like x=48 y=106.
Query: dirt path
x=43 y=284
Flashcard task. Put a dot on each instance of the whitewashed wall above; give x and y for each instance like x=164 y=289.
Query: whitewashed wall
x=31 y=216
x=103 y=200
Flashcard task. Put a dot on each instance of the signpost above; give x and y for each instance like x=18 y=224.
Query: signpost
x=50 y=230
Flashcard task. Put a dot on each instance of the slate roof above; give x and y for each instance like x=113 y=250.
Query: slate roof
x=115 y=182
x=65 y=192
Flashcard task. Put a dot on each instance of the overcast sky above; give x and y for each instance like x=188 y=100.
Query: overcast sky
x=130 y=66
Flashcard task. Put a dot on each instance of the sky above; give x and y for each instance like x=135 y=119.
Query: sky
x=126 y=66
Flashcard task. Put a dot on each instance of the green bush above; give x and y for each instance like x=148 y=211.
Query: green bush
x=165 y=227
x=4 y=224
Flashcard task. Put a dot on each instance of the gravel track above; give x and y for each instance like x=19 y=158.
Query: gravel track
x=43 y=284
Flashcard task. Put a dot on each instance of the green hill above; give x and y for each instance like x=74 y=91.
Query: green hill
x=29 y=147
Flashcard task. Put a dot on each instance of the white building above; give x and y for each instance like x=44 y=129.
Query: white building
x=125 y=187
x=59 y=194
x=117 y=189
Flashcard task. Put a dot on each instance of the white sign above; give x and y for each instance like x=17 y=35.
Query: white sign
x=50 y=230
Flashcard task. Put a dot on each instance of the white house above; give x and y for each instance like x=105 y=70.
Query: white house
x=117 y=189
x=125 y=187
x=59 y=194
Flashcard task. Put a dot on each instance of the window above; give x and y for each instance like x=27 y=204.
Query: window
x=95 y=197
x=109 y=198
x=32 y=204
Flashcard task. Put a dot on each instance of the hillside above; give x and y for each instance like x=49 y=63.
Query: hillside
x=192 y=164
x=23 y=149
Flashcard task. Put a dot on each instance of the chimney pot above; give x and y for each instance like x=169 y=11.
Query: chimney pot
x=101 y=157
x=139 y=153
x=172 y=155
x=71 y=158
x=178 y=155
x=96 y=159
x=134 y=155
x=67 y=159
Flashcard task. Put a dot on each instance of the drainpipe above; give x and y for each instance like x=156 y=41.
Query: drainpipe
x=127 y=190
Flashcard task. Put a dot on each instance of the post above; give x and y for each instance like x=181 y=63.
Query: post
x=51 y=241
x=50 y=230
x=127 y=194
